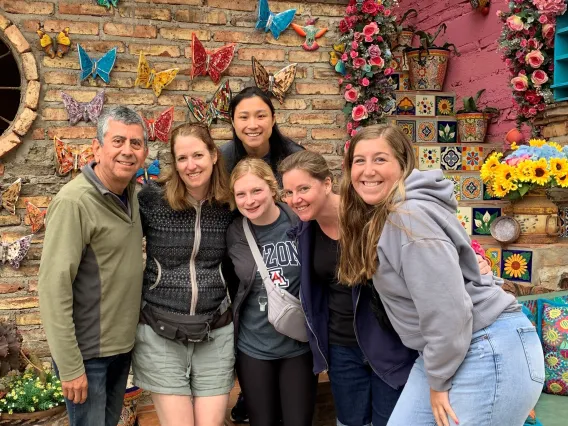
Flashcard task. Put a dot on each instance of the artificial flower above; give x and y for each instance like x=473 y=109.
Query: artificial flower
x=378 y=61
x=520 y=83
x=557 y=7
x=374 y=51
x=539 y=77
x=359 y=113
x=358 y=63
x=548 y=31
x=540 y=174
x=370 y=6
x=534 y=58
x=351 y=95
x=515 y=23
x=559 y=166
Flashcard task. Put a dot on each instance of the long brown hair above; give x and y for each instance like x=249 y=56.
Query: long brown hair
x=176 y=193
x=258 y=168
x=360 y=224
x=310 y=162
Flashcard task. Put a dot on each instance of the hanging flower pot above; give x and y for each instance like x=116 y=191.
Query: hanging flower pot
x=405 y=37
x=427 y=68
x=472 y=126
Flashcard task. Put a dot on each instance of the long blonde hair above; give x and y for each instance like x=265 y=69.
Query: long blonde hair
x=360 y=224
x=176 y=193
x=258 y=168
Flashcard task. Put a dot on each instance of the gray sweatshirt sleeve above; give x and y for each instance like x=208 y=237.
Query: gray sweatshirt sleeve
x=435 y=281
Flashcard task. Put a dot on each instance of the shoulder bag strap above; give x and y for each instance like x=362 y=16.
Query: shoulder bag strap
x=261 y=266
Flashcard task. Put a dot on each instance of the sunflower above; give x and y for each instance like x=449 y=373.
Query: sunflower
x=499 y=190
x=514 y=146
x=444 y=107
x=558 y=166
x=562 y=180
x=537 y=142
x=524 y=170
x=489 y=166
x=555 y=145
x=515 y=265
x=540 y=173
x=506 y=175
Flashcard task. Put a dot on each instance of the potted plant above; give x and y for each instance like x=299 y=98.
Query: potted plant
x=428 y=63
x=472 y=120
x=404 y=35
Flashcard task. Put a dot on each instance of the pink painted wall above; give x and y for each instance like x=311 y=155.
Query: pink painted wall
x=480 y=65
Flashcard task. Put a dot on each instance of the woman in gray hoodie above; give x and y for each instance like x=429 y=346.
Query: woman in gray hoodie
x=480 y=360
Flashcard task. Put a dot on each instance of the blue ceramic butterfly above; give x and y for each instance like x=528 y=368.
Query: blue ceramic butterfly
x=93 y=67
x=146 y=174
x=273 y=22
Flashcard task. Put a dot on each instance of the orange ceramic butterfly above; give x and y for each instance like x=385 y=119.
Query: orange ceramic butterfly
x=36 y=217
x=71 y=157
x=148 y=76
x=214 y=62
x=9 y=197
x=277 y=84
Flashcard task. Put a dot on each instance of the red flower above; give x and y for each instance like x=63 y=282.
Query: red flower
x=371 y=7
x=344 y=26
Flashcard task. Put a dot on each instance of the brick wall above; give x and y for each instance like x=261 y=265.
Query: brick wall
x=480 y=65
x=311 y=114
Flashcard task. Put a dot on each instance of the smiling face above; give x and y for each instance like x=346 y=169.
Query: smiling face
x=120 y=155
x=374 y=170
x=194 y=164
x=253 y=121
x=254 y=199
x=305 y=194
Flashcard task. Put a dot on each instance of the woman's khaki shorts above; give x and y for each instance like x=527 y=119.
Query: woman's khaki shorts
x=170 y=367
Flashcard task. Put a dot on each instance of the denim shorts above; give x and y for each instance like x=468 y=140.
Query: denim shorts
x=170 y=367
x=497 y=384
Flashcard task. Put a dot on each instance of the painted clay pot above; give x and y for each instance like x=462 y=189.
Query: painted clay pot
x=405 y=38
x=472 y=127
x=427 y=69
x=514 y=135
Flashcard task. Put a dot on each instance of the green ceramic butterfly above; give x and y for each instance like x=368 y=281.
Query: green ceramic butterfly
x=108 y=3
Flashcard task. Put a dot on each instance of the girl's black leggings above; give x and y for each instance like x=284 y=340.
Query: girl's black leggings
x=286 y=386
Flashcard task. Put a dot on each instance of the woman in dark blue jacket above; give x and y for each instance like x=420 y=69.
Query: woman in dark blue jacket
x=350 y=335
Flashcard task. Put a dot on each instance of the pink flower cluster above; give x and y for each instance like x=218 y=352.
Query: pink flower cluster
x=527 y=43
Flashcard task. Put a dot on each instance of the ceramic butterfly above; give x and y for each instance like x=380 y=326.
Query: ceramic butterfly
x=159 y=128
x=218 y=107
x=14 y=252
x=213 y=62
x=96 y=67
x=36 y=217
x=148 y=76
x=273 y=22
x=146 y=174
x=9 y=197
x=86 y=111
x=62 y=39
x=335 y=58
x=278 y=83
x=108 y=3
x=71 y=157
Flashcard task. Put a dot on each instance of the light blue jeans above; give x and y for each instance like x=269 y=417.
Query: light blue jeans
x=498 y=383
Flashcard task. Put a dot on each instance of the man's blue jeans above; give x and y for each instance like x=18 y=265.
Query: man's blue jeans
x=361 y=397
x=107 y=379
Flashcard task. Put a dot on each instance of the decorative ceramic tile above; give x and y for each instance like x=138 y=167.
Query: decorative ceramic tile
x=451 y=158
x=494 y=256
x=516 y=265
x=425 y=105
x=563 y=215
x=429 y=158
x=408 y=127
x=406 y=104
x=394 y=81
x=471 y=187
x=425 y=130
x=390 y=106
x=447 y=132
x=445 y=105
x=483 y=218
x=464 y=216
x=472 y=157
x=404 y=80
x=456 y=180
x=487 y=193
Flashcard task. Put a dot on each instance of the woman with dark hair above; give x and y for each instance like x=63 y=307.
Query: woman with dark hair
x=184 y=353
x=255 y=132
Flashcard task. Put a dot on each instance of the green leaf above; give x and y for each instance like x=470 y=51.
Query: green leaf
x=523 y=190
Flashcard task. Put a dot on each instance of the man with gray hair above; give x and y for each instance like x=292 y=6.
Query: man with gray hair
x=90 y=276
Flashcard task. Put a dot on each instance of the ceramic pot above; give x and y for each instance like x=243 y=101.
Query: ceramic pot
x=514 y=135
x=472 y=126
x=427 y=69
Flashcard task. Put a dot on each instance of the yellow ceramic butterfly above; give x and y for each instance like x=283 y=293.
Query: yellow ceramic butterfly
x=335 y=58
x=62 y=39
x=148 y=76
x=9 y=197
